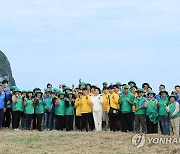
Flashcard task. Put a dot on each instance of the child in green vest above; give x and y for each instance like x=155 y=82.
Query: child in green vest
x=163 y=115
x=140 y=112
x=174 y=114
x=39 y=109
x=60 y=111
x=151 y=113
x=69 y=102
x=29 y=109
x=17 y=107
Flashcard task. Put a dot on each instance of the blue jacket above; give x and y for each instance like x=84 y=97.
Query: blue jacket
x=8 y=99
x=2 y=96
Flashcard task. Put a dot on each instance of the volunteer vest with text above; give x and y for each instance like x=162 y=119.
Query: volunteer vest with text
x=60 y=108
x=86 y=106
x=29 y=108
x=161 y=107
x=172 y=108
x=126 y=107
x=151 y=106
x=40 y=107
x=139 y=104
x=18 y=106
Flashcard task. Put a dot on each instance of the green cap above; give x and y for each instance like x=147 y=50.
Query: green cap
x=131 y=82
x=39 y=91
x=163 y=91
x=68 y=88
x=29 y=91
x=105 y=83
x=55 y=89
x=24 y=91
x=48 y=90
x=172 y=96
x=145 y=84
x=118 y=83
x=17 y=90
x=13 y=87
x=70 y=93
x=151 y=92
x=61 y=93
x=126 y=87
x=139 y=90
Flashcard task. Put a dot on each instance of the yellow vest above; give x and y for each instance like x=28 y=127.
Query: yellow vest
x=78 y=106
x=86 y=106
x=114 y=100
x=105 y=103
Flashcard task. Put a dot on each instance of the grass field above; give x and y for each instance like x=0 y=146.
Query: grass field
x=34 y=142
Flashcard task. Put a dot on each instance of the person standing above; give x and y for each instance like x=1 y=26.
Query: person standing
x=2 y=109
x=29 y=109
x=60 y=111
x=140 y=112
x=86 y=111
x=126 y=102
x=23 y=115
x=163 y=115
x=78 y=118
x=48 y=110
x=96 y=101
x=151 y=113
x=39 y=109
x=17 y=107
x=8 y=104
x=69 y=102
x=174 y=114
x=114 y=108
x=105 y=106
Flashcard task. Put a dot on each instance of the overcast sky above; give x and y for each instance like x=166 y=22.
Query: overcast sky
x=60 y=41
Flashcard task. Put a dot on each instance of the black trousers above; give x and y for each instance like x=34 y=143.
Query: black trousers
x=29 y=118
x=69 y=122
x=127 y=122
x=16 y=116
x=78 y=122
x=59 y=124
x=34 y=121
x=7 y=117
x=39 y=118
x=87 y=119
x=113 y=121
x=151 y=127
x=92 y=121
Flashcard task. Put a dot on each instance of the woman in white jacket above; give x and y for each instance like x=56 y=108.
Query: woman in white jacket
x=96 y=101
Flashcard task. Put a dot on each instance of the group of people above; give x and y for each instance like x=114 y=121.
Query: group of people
x=117 y=107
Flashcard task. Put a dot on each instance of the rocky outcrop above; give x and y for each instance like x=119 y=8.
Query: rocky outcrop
x=5 y=69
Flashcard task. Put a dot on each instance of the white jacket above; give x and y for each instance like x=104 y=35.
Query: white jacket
x=97 y=102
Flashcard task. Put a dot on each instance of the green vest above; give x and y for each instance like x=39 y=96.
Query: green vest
x=70 y=109
x=126 y=107
x=161 y=107
x=140 y=104
x=48 y=102
x=60 y=109
x=172 y=108
x=151 y=106
x=29 y=108
x=40 y=107
x=18 y=106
